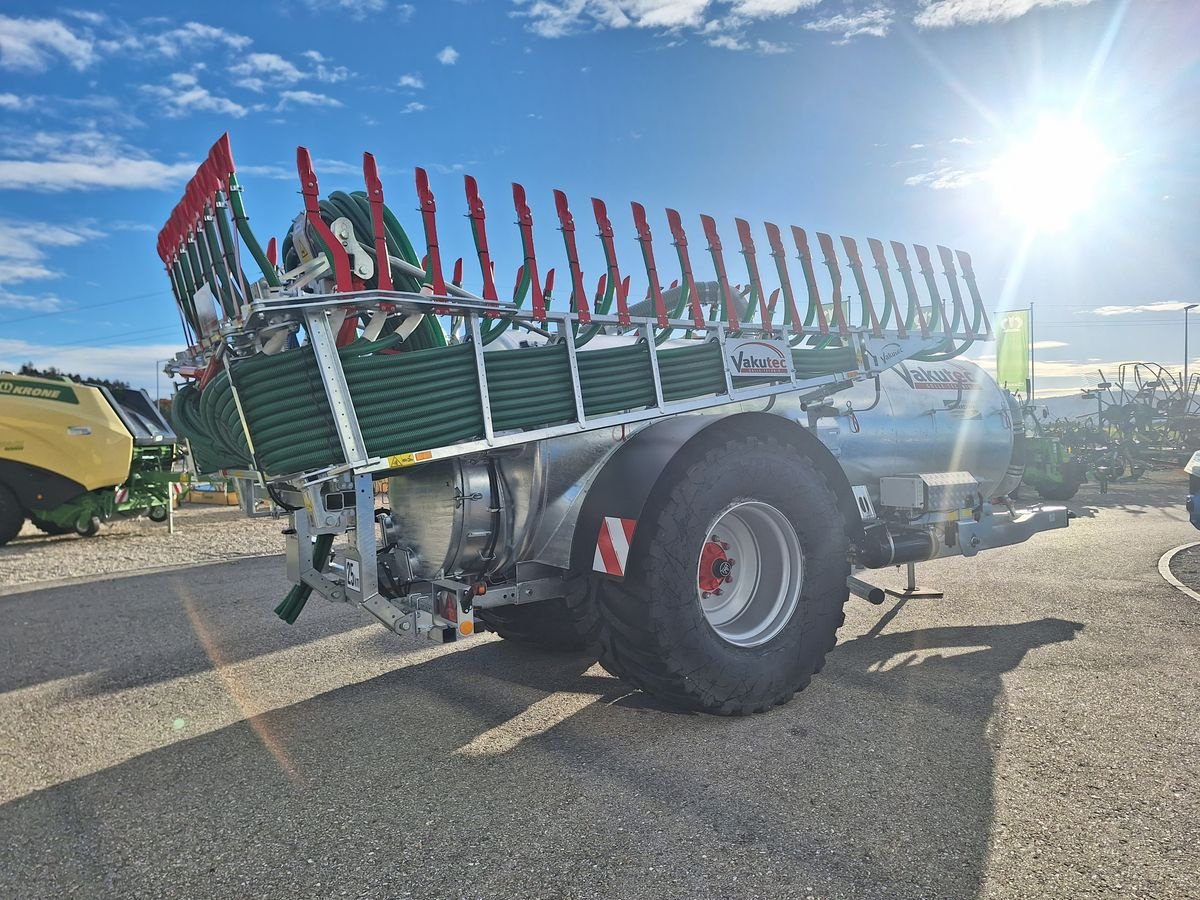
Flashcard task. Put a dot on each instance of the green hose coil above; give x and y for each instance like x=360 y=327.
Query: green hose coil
x=418 y=393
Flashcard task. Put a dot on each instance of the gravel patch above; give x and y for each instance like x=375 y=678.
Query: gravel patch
x=202 y=534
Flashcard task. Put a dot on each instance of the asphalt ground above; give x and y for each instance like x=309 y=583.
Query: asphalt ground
x=1033 y=734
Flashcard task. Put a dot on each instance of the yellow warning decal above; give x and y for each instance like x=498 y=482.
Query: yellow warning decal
x=409 y=459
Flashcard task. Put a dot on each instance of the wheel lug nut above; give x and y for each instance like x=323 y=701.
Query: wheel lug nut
x=717 y=592
x=704 y=595
x=729 y=580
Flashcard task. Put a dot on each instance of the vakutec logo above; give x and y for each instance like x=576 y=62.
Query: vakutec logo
x=758 y=358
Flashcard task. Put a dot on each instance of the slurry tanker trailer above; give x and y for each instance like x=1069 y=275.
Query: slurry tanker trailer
x=691 y=484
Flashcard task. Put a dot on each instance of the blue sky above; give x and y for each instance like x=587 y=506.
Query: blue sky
x=897 y=119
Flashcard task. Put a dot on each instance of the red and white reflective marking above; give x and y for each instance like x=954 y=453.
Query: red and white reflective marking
x=122 y=494
x=612 y=545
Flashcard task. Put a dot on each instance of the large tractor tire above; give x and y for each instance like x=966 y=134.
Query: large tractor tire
x=734 y=585
x=568 y=623
x=1059 y=492
x=1071 y=475
x=12 y=517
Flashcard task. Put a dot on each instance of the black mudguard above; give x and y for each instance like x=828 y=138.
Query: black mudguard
x=644 y=464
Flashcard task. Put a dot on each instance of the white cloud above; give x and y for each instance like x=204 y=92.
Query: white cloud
x=414 y=107
x=332 y=74
x=33 y=44
x=305 y=98
x=185 y=95
x=39 y=303
x=963 y=140
x=728 y=42
x=115 y=172
x=874 y=22
x=337 y=167
x=760 y=9
x=190 y=36
x=276 y=172
x=85 y=15
x=405 y=12
x=355 y=9
x=1049 y=345
x=136 y=363
x=721 y=23
x=15 y=271
x=1161 y=306
x=447 y=56
x=949 y=13
x=13 y=103
x=260 y=71
x=411 y=80
x=81 y=160
x=770 y=48
x=556 y=18
x=24 y=244
x=269 y=67
x=946 y=176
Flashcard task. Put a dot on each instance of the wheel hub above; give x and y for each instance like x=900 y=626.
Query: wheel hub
x=749 y=573
x=716 y=568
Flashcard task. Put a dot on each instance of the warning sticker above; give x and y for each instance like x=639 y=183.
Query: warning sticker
x=409 y=459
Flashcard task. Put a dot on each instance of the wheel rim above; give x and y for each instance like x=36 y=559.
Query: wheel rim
x=749 y=573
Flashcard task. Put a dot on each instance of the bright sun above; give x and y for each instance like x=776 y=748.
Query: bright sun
x=1055 y=175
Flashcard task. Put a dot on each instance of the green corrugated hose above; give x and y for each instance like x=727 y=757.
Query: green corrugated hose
x=419 y=393
x=291 y=605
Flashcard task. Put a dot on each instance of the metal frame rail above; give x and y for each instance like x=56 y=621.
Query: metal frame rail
x=317 y=314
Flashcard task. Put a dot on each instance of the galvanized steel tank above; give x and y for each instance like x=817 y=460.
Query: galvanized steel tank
x=928 y=417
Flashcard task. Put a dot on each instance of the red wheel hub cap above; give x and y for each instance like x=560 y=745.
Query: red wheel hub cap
x=716 y=568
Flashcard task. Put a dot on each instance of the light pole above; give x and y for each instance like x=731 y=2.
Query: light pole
x=1186 y=310
x=158 y=373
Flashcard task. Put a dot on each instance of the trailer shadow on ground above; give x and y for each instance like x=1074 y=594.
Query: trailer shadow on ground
x=135 y=640
x=1155 y=492
x=503 y=772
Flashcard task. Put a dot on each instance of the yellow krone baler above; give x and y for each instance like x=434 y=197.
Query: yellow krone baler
x=73 y=455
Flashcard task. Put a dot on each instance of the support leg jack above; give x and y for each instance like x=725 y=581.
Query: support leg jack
x=912 y=592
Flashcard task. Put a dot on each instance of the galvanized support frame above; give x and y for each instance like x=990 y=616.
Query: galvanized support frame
x=333 y=377
x=485 y=400
x=647 y=334
x=315 y=310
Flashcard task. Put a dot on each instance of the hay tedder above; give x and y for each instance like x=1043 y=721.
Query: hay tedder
x=683 y=482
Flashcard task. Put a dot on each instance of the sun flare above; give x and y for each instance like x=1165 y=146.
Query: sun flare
x=1055 y=175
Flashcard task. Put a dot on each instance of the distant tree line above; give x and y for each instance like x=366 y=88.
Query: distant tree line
x=30 y=369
